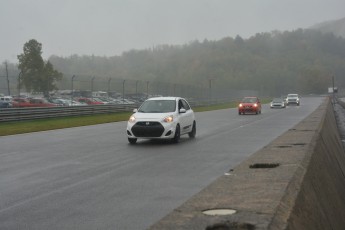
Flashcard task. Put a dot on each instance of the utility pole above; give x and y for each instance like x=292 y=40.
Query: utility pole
x=19 y=82
x=211 y=96
x=109 y=80
x=72 y=89
x=8 y=81
x=123 y=91
x=333 y=96
x=210 y=89
x=92 y=79
x=147 y=89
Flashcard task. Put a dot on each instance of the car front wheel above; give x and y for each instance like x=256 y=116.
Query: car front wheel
x=177 y=135
x=193 y=132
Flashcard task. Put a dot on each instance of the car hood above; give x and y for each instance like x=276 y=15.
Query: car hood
x=247 y=104
x=151 y=116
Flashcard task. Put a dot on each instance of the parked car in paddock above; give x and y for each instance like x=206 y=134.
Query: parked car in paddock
x=89 y=101
x=6 y=99
x=20 y=102
x=249 y=105
x=40 y=102
x=32 y=102
x=277 y=103
x=65 y=102
x=74 y=103
x=5 y=104
x=293 y=99
x=57 y=101
x=162 y=118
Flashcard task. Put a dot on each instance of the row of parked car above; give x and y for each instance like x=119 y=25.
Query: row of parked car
x=19 y=102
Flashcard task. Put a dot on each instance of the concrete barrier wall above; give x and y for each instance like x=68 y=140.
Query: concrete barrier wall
x=296 y=182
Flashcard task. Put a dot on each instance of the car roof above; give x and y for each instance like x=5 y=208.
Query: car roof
x=164 y=98
x=251 y=97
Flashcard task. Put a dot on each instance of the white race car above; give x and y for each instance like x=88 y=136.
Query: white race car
x=162 y=118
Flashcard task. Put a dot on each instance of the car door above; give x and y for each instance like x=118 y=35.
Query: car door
x=259 y=104
x=187 y=118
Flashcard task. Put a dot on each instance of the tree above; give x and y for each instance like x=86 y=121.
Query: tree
x=36 y=75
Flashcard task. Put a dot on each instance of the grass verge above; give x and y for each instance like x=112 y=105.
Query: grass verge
x=18 y=127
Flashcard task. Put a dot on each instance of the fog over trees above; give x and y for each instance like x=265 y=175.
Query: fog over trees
x=276 y=63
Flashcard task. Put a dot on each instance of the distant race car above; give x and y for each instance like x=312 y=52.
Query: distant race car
x=249 y=105
x=277 y=103
x=293 y=99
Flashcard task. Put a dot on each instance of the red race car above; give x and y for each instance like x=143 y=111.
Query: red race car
x=249 y=105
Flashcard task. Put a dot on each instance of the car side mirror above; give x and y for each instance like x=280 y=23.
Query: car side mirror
x=182 y=110
x=135 y=110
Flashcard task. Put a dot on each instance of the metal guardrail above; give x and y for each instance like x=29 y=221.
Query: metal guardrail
x=20 y=114
x=33 y=113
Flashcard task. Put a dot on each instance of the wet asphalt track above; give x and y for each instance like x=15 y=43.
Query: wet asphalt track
x=91 y=178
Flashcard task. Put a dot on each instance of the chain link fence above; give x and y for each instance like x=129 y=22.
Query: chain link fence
x=91 y=86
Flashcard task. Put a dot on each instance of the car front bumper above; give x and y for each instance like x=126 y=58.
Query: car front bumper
x=151 y=130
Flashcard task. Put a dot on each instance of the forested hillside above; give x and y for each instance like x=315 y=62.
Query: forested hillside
x=336 y=27
x=276 y=63
x=279 y=62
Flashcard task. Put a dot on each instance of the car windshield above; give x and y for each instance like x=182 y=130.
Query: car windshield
x=249 y=100
x=158 y=106
x=277 y=100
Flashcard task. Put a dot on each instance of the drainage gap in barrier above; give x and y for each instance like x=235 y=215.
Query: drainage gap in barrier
x=229 y=173
x=302 y=130
x=231 y=226
x=299 y=144
x=283 y=146
x=264 y=165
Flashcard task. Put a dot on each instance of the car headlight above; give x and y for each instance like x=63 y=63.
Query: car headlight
x=240 y=105
x=132 y=119
x=169 y=119
x=255 y=105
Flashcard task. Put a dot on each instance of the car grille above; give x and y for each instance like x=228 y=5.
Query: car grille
x=148 y=129
x=249 y=108
x=294 y=101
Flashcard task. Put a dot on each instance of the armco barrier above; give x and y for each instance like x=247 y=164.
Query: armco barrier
x=296 y=182
x=18 y=114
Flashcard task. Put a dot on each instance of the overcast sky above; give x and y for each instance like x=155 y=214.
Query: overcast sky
x=109 y=27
